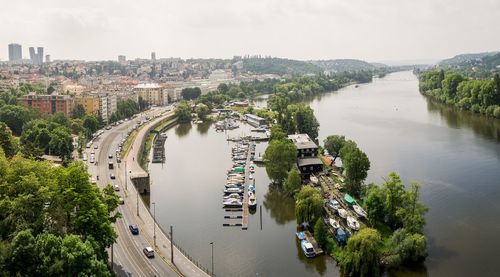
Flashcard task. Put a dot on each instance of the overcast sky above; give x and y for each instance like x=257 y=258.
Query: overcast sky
x=373 y=30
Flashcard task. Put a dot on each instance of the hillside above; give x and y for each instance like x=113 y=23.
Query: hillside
x=278 y=66
x=466 y=58
x=341 y=65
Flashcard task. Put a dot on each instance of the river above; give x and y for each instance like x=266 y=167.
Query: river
x=454 y=155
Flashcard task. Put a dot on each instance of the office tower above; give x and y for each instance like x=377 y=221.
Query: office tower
x=32 y=55
x=153 y=56
x=47 y=58
x=15 y=52
x=40 y=55
x=122 y=59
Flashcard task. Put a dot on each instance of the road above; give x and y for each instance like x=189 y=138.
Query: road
x=128 y=258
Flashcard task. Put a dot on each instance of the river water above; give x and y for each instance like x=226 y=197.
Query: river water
x=454 y=155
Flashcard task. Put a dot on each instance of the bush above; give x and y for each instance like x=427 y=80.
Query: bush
x=496 y=112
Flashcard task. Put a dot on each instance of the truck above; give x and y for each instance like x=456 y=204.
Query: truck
x=110 y=165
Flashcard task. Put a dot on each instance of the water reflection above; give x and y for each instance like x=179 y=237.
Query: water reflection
x=488 y=128
x=183 y=129
x=280 y=205
x=203 y=128
x=318 y=263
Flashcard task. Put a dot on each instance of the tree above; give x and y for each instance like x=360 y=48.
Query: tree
x=412 y=212
x=356 y=164
x=374 y=203
x=15 y=117
x=293 y=181
x=78 y=111
x=308 y=205
x=91 y=124
x=394 y=197
x=50 y=90
x=362 y=254
x=404 y=247
x=280 y=155
x=333 y=144
x=191 y=93
x=306 y=121
x=277 y=133
x=7 y=141
x=320 y=232
x=202 y=111
x=183 y=112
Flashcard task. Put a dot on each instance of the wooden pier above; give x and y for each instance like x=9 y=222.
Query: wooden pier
x=310 y=238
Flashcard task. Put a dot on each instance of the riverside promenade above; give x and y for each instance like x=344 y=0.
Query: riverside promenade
x=184 y=266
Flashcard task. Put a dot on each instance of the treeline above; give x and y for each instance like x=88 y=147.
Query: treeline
x=127 y=108
x=279 y=66
x=478 y=96
x=53 y=221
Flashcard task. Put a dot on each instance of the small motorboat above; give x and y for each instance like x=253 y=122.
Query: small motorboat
x=352 y=223
x=233 y=190
x=334 y=204
x=232 y=196
x=233 y=186
x=359 y=210
x=251 y=188
x=334 y=223
x=252 y=201
x=250 y=177
x=342 y=213
x=232 y=203
x=300 y=235
x=314 y=179
x=307 y=248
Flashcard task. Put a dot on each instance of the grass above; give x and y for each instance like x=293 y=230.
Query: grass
x=128 y=142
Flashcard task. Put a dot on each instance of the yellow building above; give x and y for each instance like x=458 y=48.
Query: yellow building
x=89 y=102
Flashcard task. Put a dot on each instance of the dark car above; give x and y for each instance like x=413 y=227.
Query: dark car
x=134 y=229
x=112 y=176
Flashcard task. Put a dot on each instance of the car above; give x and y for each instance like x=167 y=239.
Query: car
x=112 y=176
x=110 y=156
x=117 y=188
x=96 y=146
x=122 y=201
x=149 y=252
x=134 y=229
x=108 y=127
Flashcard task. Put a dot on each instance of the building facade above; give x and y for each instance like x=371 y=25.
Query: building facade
x=307 y=159
x=48 y=104
x=15 y=52
x=107 y=105
x=90 y=103
x=153 y=94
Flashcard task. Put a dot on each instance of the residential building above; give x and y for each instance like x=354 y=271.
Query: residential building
x=15 y=52
x=153 y=94
x=153 y=56
x=107 y=105
x=307 y=159
x=48 y=104
x=47 y=58
x=36 y=57
x=122 y=59
x=90 y=103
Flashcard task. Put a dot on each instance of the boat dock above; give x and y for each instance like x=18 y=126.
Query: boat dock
x=310 y=238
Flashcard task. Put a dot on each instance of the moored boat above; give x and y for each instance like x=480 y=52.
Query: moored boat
x=342 y=213
x=232 y=203
x=352 y=223
x=359 y=210
x=314 y=179
x=334 y=223
x=307 y=248
x=233 y=196
x=252 y=201
x=233 y=190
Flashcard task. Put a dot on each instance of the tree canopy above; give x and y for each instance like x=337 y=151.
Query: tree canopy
x=333 y=144
x=191 y=93
x=362 y=254
x=308 y=205
x=279 y=157
x=183 y=112
x=202 y=111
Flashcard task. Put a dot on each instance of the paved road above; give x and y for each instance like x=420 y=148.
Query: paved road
x=129 y=260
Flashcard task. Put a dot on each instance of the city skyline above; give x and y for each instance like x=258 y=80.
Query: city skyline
x=390 y=30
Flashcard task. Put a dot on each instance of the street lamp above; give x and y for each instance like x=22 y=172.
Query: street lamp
x=154 y=224
x=212 y=244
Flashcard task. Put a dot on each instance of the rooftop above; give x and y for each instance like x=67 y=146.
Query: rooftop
x=148 y=85
x=306 y=161
x=302 y=141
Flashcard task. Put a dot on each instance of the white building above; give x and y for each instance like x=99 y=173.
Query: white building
x=152 y=93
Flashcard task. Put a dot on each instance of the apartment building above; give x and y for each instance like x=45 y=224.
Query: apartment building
x=48 y=104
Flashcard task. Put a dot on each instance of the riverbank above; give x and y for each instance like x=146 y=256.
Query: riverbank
x=143 y=157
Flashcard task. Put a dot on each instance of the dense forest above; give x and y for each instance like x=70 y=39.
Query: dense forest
x=279 y=66
x=451 y=87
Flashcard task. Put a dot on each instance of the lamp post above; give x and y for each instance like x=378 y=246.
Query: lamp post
x=212 y=244
x=154 y=224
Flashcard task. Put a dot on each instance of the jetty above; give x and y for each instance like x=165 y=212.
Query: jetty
x=310 y=238
x=159 y=148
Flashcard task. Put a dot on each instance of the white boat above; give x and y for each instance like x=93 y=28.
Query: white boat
x=334 y=223
x=233 y=186
x=342 y=213
x=359 y=210
x=233 y=190
x=352 y=223
x=314 y=179
x=252 y=201
x=232 y=196
x=232 y=203
x=334 y=204
x=250 y=177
